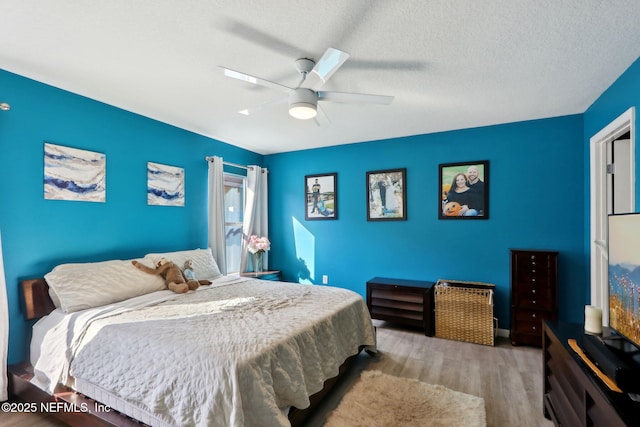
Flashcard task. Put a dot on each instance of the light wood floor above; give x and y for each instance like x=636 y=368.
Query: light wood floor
x=508 y=378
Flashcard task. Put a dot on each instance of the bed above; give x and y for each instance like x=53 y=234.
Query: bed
x=241 y=351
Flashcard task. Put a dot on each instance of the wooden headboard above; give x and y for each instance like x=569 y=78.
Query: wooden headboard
x=37 y=302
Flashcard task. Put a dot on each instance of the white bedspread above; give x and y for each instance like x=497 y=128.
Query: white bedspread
x=236 y=355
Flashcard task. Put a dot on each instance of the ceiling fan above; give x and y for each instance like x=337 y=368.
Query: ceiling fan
x=303 y=99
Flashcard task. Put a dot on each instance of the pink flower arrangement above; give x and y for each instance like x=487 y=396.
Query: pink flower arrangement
x=258 y=245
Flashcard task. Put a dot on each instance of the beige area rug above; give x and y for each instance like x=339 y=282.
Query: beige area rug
x=378 y=399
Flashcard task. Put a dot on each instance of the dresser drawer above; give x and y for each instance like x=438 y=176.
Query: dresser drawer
x=538 y=270
x=398 y=304
x=530 y=321
x=534 y=279
x=534 y=302
x=534 y=260
x=396 y=314
x=533 y=315
x=537 y=292
x=535 y=288
x=415 y=296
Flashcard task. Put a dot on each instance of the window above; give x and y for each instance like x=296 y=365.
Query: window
x=234 y=200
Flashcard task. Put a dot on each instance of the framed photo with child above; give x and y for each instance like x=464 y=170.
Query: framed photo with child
x=463 y=190
x=321 y=196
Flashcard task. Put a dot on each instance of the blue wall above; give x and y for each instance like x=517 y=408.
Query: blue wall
x=536 y=201
x=539 y=197
x=623 y=94
x=37 y=234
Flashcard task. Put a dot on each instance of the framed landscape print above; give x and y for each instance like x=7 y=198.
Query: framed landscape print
x=387 y=195
x=463 y=191
x=321 y=196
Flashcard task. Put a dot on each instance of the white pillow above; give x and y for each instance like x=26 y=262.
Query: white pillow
x=81 y=286
x=52 y=292
x=204 y=266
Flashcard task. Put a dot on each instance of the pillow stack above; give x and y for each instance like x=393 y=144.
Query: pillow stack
x=79 y=286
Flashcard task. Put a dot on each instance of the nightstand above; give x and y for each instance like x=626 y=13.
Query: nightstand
x=273 y=275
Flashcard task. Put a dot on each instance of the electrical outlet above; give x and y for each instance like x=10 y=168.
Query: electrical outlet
x=325 y=279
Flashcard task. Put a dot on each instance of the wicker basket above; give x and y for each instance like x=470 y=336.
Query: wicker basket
x=464 y=311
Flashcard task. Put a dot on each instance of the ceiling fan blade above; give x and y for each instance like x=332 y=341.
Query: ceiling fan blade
x=387 y=65
x=263 y=106
x=253 y=80
x=354 y=98
x=330 y=62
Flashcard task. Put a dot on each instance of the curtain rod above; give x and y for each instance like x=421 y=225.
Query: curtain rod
x=235 y=165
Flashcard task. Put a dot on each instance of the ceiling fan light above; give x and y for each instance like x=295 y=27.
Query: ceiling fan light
x=303 y=103
x=302 y=110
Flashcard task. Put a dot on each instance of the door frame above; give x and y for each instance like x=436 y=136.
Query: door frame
x=598 y=203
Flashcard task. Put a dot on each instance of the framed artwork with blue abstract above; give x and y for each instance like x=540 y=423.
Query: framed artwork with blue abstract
x=165 y=185
x=74 y=174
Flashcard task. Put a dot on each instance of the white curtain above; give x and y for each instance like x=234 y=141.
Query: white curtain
x=4 y=330
x=216 y=213
x=255 y=212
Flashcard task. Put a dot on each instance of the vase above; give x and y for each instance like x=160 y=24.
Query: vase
x=257 y=262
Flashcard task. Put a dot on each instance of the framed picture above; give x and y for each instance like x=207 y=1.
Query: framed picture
x=387 y=195
x=165 y=185
x=321 y=196
x=463 y=191
x=74 y=174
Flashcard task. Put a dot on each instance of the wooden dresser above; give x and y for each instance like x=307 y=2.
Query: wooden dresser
x=534 y=294
x=409 y=302
x=573 y=395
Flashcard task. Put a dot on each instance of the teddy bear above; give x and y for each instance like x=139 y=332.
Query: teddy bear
x=173 y=276
x=187 y=270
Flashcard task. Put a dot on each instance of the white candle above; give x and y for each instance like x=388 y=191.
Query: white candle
x=592 y=319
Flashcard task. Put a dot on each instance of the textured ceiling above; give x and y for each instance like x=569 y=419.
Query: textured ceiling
x=449 y=64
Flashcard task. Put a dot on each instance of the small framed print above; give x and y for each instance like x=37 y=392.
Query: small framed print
x=463 y=191
x=387 y=195
x=165 y=185
x=321 y=196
